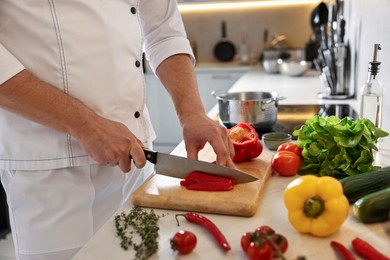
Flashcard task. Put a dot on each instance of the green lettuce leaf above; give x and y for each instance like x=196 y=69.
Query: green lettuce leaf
x=337 y=147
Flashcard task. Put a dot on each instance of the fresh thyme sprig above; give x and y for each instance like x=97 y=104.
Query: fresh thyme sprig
x=138 y=223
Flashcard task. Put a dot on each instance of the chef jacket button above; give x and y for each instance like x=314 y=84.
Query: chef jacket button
x=137 y=114
x=137 y=63
x=133 y=10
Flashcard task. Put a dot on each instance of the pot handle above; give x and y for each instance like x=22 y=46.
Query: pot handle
x=276 y=99
x=217 y=93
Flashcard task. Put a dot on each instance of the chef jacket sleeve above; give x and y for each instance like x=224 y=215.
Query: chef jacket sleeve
x=164 y=31
x=9 y=65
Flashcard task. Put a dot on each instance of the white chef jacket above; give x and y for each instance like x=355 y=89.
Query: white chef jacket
x=91 y=50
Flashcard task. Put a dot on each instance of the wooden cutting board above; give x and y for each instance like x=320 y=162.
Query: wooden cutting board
x=165 y=192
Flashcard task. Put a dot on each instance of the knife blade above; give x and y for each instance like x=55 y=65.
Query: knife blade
x=180 y=167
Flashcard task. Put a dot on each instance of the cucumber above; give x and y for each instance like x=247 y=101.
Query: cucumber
x=356 y=186
x=373 y=207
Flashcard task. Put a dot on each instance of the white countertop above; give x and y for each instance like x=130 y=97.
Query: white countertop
x=271 y=211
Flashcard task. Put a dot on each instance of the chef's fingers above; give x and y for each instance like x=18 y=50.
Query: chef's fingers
x=224 y=151
x=230 y=163
x=113 y=163
x=125 y=163
x=192 y=151
x=230 y=146
x=137 y=155
x=224 y=158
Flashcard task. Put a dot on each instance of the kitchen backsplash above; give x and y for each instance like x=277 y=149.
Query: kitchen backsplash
x=204 y=27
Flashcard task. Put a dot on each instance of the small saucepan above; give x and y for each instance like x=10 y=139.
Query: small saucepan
x=259 y=109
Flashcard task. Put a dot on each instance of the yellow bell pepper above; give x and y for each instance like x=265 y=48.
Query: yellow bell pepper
x=316 y=205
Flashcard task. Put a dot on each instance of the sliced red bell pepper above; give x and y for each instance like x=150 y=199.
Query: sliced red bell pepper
x=207 y=182
x=210 y=186
x=196 y=176
x=245 y=141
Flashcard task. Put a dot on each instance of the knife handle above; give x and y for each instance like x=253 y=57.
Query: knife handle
x=151 y=156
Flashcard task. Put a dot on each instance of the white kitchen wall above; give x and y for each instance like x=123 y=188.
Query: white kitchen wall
x=368 y=22
x=204 y=27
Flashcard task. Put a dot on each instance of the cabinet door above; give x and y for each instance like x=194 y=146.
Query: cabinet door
x=210 y=81
x=163 y=115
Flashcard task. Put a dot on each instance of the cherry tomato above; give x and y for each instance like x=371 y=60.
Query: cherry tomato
x=265 y=230
x=286 y=163
x=260 y=250
x=292 y=147
x=183 y=242
x=246 y=240
x=281 y=242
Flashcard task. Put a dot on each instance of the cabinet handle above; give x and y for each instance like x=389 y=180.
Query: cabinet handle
x=221 y=76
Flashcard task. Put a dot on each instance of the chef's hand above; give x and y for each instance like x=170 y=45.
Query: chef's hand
x=199 y=130
x=110 y=142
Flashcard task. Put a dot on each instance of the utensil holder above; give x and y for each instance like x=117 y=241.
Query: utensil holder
x=334 y=68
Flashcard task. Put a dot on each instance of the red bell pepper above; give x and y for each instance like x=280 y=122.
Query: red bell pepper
x=206 y=182
x=245 y=141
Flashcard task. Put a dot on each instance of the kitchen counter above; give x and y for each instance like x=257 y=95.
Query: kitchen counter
x=271 y=211
x=298 y=90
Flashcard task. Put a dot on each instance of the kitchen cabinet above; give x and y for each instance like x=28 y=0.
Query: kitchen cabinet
x=162 y=114
x=162 y=111
x=209 y=81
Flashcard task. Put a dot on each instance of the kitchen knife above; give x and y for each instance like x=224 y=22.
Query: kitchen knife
x=180 y=167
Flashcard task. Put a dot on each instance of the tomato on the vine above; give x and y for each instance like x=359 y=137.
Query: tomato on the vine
x=246 y=240
x=183 y=242
x=264 y=243
x=286 y=163
x=292 y=147
x=281 y=242
x=260 y=250
x=265 y=230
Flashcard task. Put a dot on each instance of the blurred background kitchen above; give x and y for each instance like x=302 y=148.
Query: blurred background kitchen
x=256 y=26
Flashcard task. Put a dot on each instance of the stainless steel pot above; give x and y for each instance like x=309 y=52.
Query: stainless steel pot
x=257 y=108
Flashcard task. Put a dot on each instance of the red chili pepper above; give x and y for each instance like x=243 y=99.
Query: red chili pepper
x=245 y=141
x=210 y=226
x=342 y=251
x=201 y=181
x=367 y=251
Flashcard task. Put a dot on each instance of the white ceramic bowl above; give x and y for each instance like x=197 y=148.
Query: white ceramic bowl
x=274 y=139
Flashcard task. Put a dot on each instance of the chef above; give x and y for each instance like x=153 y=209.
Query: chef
x=73 y=119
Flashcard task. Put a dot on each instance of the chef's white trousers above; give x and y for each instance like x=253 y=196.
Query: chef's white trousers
x=53 y=213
